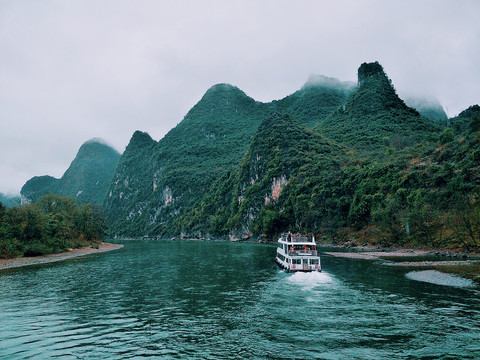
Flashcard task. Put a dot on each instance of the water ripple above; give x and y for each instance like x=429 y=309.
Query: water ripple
x=196 y=300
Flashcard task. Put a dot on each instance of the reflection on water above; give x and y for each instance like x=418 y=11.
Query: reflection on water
x=217 y=300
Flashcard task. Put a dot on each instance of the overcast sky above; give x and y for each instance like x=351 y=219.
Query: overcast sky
x=73 y=70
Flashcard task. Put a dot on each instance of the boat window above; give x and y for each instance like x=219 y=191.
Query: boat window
x=314 y=261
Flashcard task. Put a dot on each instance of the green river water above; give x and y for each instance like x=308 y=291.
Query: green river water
x=220 y=300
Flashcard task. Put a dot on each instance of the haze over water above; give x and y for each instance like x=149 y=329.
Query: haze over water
x=218 y=300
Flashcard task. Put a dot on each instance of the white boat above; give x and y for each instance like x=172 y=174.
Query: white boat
x=296 y=252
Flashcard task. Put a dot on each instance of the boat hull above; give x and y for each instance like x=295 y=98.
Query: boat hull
x=298 y=268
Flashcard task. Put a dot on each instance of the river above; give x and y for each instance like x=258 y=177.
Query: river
x=220 y=300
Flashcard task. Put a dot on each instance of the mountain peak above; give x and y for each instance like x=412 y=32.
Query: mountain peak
x=375 y=92
x=368 y=70
x=86 y=179
x=97 y=140
x=428 y=107
x=224 y=91
x=220 y=102
x=95 y=145
x=139 y=138
x=374 y=112
x=222 y=87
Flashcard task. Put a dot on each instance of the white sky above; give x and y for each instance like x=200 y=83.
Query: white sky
x=73 y=70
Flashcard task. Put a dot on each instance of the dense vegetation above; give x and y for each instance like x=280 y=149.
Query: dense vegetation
x=374 y=116
x=426 y=195
x=87 y=179
x=53 y=224
x=173 y=175
x=345 y=162
x=273 y=187
x=315 y=101
x=155 y=181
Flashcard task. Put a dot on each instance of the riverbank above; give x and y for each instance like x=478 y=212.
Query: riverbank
x=386 y=256
x=462 y=266
x=377 y=255
x=46 y=259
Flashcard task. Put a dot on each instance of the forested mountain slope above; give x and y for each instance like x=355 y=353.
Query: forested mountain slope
x=318 y=98
x=429 y=108
x=156 y=181
x=342 y=161
x=374 y=117
x=207 y=145
x=278 y=185
x=87 y=179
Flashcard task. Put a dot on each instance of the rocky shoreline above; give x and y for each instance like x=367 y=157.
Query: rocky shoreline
x=46 y=259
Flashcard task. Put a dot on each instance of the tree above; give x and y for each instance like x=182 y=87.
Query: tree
x=448 y=135
x=465 y=221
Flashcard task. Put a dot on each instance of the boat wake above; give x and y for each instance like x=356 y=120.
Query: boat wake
x=311 y=280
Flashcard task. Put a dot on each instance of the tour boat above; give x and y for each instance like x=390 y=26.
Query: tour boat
x=296 y=252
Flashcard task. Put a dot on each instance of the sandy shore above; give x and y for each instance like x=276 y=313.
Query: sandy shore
x=433 y=263
x=28 y=261
x=384 y=255
x=376 y=255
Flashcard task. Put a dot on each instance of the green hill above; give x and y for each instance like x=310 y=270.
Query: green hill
x=429 y=108
x=374 y=118
x=174 y=173
x=277 y=185
x=467 y=121
x=342 y=161
x=318 y=98
x=207 y=145
x=87 y=179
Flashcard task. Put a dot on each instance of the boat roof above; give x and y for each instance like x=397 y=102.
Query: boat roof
x=298 y=242
x=297 y=239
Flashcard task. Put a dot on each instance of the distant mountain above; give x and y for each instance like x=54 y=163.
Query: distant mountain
x=39 y=186
x=429 y=108
x=10 y=200
x=318 y=98
x=87 y=179
x=374 y=117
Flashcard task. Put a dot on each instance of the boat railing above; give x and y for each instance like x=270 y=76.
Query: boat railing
x=293 y=238
x=303 y=253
